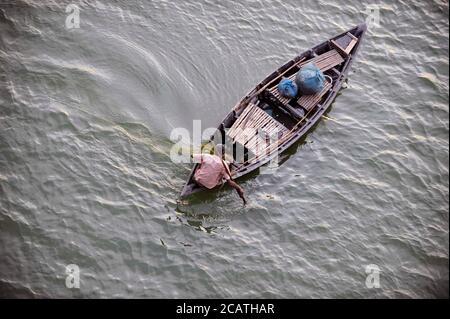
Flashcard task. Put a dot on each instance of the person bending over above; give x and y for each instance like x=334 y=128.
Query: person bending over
x=213 y=170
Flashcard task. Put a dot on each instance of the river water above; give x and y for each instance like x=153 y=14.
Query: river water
x=85 y=177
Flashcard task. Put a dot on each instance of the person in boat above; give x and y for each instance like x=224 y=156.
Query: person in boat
x=214 y=170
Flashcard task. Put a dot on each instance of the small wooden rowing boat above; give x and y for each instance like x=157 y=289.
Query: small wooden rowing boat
x=263 y=109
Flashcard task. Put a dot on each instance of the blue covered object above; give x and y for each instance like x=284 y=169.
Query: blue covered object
x=309 y=79
x=287 y=88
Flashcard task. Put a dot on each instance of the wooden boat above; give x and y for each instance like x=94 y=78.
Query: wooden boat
x=264 y=109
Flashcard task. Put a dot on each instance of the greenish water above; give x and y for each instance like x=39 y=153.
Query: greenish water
x=85 y=179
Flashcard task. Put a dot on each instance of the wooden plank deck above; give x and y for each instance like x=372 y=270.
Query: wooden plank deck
x=327 y=60
x=253 y=127
x=309 y=101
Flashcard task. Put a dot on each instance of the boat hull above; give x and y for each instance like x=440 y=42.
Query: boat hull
x=191 y=187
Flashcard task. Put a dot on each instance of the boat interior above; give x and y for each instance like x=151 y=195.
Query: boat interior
x=265 y=118
x=264 y=121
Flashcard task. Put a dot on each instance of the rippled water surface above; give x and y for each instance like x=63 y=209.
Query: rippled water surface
x=85 y=178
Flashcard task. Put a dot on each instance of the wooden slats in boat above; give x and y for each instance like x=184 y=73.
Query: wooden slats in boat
x=328 y=60
x=251 y=128
x=309 y=101
x=239 y=123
